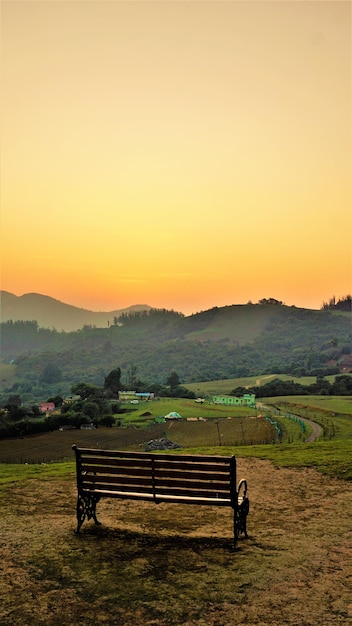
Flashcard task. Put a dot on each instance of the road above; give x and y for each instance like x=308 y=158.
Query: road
x=317 y=430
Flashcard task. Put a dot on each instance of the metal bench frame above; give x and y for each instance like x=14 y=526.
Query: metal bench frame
x=154 y=477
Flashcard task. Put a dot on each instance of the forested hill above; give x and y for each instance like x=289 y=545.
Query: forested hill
x=224 y=342
x=51 y=313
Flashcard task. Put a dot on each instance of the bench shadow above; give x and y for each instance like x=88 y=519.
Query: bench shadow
x=101 y=533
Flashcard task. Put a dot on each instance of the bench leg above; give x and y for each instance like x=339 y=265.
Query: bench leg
x=240 y=519
x=86 y=507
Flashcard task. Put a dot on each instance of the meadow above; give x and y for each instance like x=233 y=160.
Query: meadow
x=225 y=386
x=172 y=565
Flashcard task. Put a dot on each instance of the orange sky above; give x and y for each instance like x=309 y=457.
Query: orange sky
x=180 y=154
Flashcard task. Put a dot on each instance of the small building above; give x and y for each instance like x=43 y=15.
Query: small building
x=248 y=399
x=71 y=399
x=46 y=407
x=146 y=395
x=128 y=396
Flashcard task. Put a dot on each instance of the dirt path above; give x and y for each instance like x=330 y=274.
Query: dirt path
x=317 y=430
x=170 y=565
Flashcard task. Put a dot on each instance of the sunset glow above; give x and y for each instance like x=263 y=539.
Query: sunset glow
x=183 y=155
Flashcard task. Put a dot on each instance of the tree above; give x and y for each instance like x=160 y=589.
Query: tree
x=57 y=400
x=14 y=400
x=131 y=377
x=107 y=420
x=173 y=381
x=86 y=390
x=92 y=409
x=51 y=374
x=15 y=412
x=270 y=301
x=112 y=382
x=342 y=385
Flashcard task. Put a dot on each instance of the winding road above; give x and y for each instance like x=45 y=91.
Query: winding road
x=317 y=430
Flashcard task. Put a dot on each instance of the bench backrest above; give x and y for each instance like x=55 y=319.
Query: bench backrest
x=161 y=477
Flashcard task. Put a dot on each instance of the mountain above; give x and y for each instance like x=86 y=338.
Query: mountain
x=225 y=342
x=51 y=313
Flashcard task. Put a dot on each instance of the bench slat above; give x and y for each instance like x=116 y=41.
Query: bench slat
x=118 y=462
x=107 y=488
x=126 y=464
x=196 y=466
x=113 y=480
x=164 y=498
x=192 y=484
x=94 y=482
x=189 y=474
x=105 y=469
x=149 y=455
x=94 y=479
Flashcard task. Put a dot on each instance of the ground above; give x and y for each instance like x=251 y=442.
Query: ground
x=168 y=565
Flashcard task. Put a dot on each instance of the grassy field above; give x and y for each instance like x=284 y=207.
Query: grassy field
x=333 y=413
x=146 y=412
x=210 y=388
x=171 y=565
x=329 y=405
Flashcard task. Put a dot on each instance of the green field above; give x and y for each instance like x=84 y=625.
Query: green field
x=330 y=405
x=184 y=407
x=332 y=413
x=149 y=412
x=209 y=388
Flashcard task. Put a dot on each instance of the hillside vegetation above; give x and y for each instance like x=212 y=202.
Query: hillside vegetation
x=227 y=342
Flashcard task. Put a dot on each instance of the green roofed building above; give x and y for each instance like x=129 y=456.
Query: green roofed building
x=248 y=399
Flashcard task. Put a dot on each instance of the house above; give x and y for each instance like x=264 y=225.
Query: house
x=129 y=396
x=71 y=399
x=46 y=407
x=145 y=395
x=248 y=399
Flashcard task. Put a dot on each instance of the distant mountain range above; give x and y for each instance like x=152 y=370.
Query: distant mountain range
x=51 y=313
x=223 y=342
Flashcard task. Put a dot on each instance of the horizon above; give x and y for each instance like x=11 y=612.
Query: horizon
x=193 y=312
x=180 y=154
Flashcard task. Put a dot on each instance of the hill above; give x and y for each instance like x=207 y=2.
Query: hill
x=228 y=342
x=51 y=313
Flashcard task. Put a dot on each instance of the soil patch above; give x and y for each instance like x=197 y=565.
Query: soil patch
x=171 y=565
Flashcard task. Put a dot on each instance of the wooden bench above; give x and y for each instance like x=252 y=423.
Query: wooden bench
x=176 y=478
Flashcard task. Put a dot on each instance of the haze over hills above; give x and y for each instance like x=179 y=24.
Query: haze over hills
x=52 y=313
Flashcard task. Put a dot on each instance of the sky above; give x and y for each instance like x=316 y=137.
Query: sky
x=180 y=154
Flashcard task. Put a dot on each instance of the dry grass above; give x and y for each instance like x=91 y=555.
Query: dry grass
x=171 y=565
